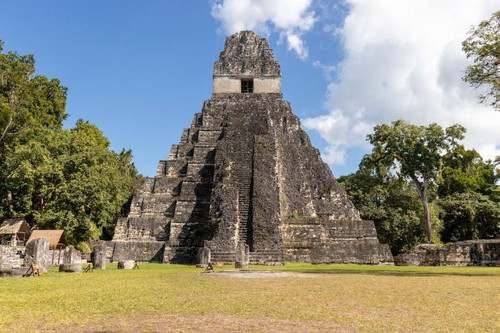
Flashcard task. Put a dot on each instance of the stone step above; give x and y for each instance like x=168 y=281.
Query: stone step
x=266 y=253
x=266 y=258
x=260 y=255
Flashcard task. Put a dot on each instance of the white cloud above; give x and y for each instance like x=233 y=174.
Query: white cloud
x=328 y=70
x=404 y=61
x=290 y=18
x=296 y=44
x=335 y=154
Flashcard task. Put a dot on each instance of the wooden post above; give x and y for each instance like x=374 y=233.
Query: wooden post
x=53 y=254
x=59 y=259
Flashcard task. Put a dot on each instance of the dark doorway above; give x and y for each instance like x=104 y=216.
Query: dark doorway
x=247 y=86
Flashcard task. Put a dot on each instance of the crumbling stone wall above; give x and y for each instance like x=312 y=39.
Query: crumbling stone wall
x=466 y=253
x=12 y=256
x=321 y=240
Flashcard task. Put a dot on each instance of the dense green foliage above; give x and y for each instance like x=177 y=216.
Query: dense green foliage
x=413 y=152
x=469 y=216
x=56 y=178
x=392 y=203
x=483 y=46
x=468 y=196
x=463 y=198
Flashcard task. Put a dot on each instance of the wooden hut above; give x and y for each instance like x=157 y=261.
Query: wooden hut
x=56 y=238
x=14 y=231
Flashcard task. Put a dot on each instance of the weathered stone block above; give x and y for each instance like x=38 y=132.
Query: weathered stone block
x=99 y=255
x=71 y=268
x=204 y=256
x=126 y=264
x=71 y=255
x=37 y=252
x=242 y=256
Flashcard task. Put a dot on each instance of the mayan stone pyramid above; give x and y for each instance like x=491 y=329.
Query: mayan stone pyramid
x=245 y=176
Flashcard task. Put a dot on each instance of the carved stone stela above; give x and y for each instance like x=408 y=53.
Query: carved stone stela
x=245 y=175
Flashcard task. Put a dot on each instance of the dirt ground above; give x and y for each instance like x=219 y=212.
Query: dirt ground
x=197 y=323
x=243 y=274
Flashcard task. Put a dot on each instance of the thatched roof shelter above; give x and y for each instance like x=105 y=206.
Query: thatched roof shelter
x=55 y=237
x=18 y=229
x=14 y=226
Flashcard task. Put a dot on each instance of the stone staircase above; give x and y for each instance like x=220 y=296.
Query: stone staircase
x=244 y=193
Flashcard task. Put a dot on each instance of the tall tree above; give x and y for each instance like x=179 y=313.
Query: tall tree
x=483 y=47
x=413 y=152
x=27 y=102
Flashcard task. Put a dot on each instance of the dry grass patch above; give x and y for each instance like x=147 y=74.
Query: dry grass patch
x=157 y=298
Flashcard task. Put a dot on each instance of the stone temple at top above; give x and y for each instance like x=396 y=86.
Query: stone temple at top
x=245 y=175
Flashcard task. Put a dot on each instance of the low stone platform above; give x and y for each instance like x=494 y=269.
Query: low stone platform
x=71 y=268
x=14 y=272
x=481 y=252
x=140 y=251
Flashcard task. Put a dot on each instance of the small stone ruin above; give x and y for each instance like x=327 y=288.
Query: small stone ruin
x=71 y=261
x=245 y=182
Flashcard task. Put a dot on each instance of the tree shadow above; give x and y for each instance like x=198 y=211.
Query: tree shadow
x=418 y=271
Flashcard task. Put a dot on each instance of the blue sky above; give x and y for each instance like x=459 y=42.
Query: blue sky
x=139 y=71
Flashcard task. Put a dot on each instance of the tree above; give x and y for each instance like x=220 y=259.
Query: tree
x=391 y=202
x=483 y=46
x=66 y=179
x=413 y=152
x=464 y=170
x=27 y=100
x=469 y=215
x=469 y=198
x=69 y=179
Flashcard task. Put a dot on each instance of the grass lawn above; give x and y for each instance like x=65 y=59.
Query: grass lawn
x=315 y=298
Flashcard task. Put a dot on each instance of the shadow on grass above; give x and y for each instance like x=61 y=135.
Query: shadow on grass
x=392 y=273
x=414 y=271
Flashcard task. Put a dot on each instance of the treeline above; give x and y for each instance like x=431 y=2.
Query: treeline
x=421 y=185
x=56 y=178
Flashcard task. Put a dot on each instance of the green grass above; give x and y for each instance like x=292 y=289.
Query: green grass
x=329 y=298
